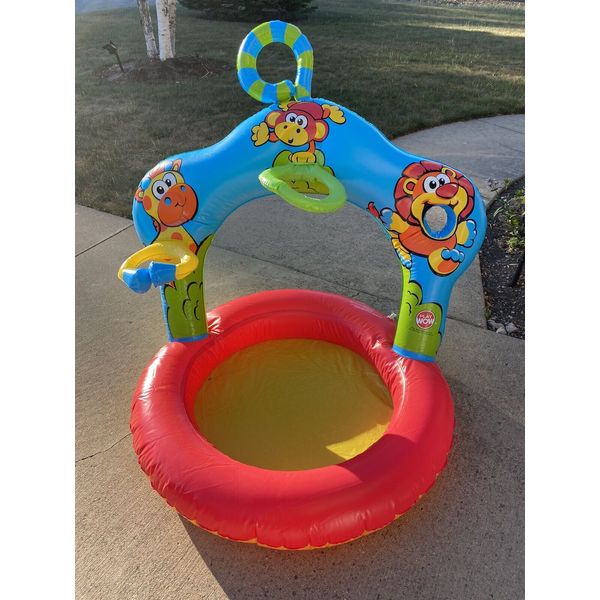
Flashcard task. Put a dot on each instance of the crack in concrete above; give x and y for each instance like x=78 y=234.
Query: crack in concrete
x=505 y=127
x=484 y=327
x=300 y=272
x=105 y=449
x=112 y=235
x=459 y=320
x=355 y=292
x=510 y=148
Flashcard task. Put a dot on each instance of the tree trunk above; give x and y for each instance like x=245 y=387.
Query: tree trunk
x=146 y=22
x=164 y=31
x=172 y=17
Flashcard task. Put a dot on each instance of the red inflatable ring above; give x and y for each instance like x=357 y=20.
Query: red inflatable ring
x=291 y=509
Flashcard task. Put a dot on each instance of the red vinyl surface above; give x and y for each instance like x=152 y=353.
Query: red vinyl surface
x=291 y=509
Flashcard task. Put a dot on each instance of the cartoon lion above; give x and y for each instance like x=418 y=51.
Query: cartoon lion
x=423 y=186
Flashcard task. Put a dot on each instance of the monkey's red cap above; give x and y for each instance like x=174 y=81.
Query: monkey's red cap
x=310 y=108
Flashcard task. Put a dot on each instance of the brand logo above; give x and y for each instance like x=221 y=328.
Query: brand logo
x=425 y=319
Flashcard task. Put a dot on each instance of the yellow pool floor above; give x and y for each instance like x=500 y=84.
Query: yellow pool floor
x=293 y=404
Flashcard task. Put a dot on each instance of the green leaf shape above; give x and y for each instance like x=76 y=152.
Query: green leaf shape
x=184 y=301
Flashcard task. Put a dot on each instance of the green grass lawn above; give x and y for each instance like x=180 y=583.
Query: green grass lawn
x=401 y=65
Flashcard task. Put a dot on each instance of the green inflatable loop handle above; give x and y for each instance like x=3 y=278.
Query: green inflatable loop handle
x=276 y=180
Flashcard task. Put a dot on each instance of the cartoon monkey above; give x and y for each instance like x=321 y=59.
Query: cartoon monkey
x=297 y=124
x=422 y=186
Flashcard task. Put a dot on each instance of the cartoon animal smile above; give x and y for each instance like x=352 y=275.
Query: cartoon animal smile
x=423 y=186
x=297 y=130
x=178 y=203
x=169 y=200
x=297 y=124
x=436 y=191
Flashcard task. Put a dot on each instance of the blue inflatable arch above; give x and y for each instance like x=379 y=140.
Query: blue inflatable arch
x=315 y=154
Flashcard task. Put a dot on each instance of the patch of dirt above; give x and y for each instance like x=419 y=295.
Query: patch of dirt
x=505 y=303
x=156 y=71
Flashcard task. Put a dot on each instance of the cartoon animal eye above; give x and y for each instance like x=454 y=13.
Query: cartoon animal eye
x=443 y=179
x=169 y=179
x=430 y=184
x=301 y=121
x=159 y=188
x=291 y=117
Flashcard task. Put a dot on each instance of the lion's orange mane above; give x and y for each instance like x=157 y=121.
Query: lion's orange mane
x=417 y=171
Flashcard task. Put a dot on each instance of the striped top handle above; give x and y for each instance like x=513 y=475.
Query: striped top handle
x=283 y=91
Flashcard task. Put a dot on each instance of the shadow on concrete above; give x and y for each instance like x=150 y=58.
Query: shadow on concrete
x=462 y=540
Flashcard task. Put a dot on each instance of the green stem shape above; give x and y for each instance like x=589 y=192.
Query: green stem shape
x=183 y=302
x=420 y=326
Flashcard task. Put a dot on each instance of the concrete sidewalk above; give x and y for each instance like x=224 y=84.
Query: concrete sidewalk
x=463 y=540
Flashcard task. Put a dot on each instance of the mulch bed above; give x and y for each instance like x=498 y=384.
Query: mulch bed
x=504 y=303
x=156 y=71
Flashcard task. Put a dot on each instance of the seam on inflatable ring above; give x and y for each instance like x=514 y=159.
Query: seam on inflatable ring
x=334 y=318
x=328 y=544
x=308 y=546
